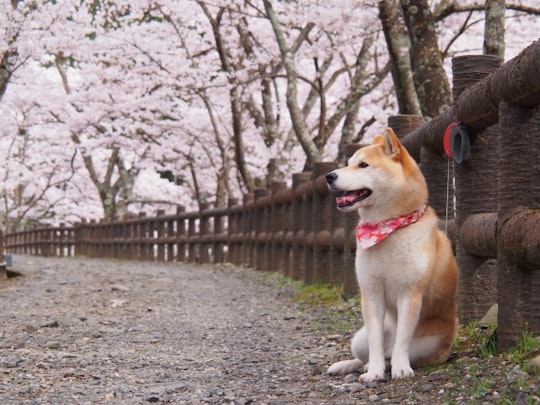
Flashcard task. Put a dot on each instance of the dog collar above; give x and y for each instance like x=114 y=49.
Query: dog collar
x=369 y=234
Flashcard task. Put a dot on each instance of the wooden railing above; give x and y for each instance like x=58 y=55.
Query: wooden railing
x=494 y=223
x=296 y=230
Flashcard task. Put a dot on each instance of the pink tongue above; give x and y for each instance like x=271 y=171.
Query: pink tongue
x=347 y=198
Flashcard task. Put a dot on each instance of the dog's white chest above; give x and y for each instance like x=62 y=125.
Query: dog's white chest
x=396 y=264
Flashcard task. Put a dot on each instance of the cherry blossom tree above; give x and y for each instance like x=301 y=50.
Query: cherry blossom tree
x=113 y=107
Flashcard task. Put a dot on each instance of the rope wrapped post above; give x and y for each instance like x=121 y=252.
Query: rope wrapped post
x=298 y=258
x=147 y=234
x=170 y=229
x=261 y=213
x=139 y=237
x=476 y=192
x=191 y=235
x=204 y=232
x=306 y=191
x=233 y=228
x=78 y=238
x=181 y=254
x=217 y=245
x=124 y=245
x=3 y=270
x=321 y=220
x=435 y=168
x=89 y=239
x=404 y=124
x=518 y=229
x=277 y=226
x=247 y=227
x=288 y=232
x=102 y=237
x=160 y=235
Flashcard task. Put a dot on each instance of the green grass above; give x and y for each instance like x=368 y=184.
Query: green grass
x=337 y=315
x=310 y=294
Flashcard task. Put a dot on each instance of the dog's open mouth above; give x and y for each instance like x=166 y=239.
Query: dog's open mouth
x=352 y=197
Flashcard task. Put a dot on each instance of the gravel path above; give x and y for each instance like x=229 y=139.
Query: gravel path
x=78 y=331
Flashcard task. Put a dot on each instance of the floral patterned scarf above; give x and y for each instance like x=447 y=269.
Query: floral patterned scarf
x=369 y=234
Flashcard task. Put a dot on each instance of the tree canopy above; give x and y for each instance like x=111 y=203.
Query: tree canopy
x=115 y=107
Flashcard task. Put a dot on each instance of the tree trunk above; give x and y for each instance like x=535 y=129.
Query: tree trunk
x=399 y=45
x=298 y=121
x=234 y=97
x=429 y=76
x=494 y=29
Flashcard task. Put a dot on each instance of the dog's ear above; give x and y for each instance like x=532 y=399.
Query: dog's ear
x=391 y=143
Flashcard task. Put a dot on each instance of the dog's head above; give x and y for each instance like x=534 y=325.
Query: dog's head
x=382 y=174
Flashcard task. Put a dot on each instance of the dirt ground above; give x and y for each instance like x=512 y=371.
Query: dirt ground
x=79 y=331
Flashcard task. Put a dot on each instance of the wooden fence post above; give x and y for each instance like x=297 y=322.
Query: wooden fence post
x=233 y=231
x=248 y=229
x=277 y=227
x=476 y=192
x=261 y=216
x=287 y=197
x=161 y=235
x=405 y=123
x=298 y=212
x=181 y=254
x=435 y=170
x=169 y=247
x=519 y=194
x=322 y=208
x=217 y=246
x=3 y=270
x=204 y=231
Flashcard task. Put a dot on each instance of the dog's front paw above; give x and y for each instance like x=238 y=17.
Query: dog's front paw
x=344 y=367
x=370 y=377
x=373 y=374
x=402 y=372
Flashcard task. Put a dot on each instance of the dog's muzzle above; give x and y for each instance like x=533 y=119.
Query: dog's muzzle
x=331 y=178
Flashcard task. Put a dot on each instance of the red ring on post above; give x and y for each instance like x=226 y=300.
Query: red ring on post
x=457 y=144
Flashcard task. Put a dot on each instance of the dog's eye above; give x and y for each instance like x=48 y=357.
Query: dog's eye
x=362 y=165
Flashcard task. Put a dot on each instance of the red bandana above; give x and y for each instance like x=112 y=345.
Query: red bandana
x=369 y=234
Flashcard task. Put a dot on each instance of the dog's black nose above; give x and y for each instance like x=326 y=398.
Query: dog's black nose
x=331 y=177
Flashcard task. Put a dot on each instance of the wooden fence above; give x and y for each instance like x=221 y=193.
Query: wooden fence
x=494 y=212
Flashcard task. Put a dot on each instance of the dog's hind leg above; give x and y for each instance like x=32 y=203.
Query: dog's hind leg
x=345 y=367
x=360 y=350
x=433 y=342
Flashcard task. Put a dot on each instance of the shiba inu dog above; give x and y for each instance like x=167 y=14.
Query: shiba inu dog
x=404 y=265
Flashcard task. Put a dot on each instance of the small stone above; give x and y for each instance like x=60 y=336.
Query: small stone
x=350 y=378
x=30 y=328
x=67 y=355
x=13 y=363
x=334 y=337
x=288 y=317
x=427 y=387
x=339 y=390
x=52 y=344
x=356 y=387
x=490 y=318
x=118 y=303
